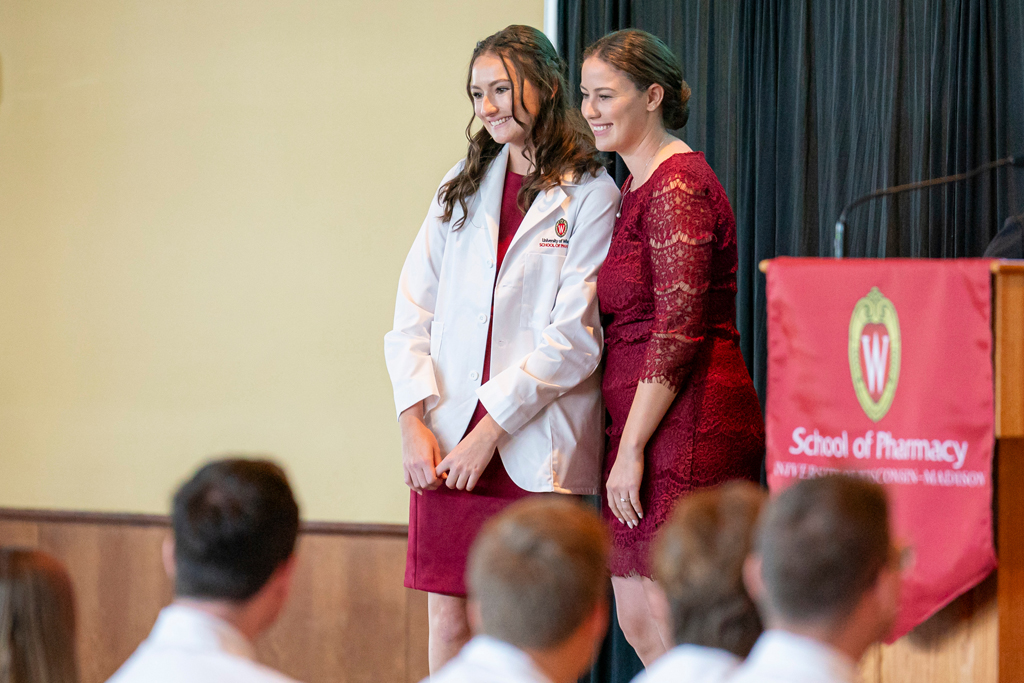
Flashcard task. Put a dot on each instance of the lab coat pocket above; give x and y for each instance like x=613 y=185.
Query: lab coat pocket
x=540 y=285
x=436 y=330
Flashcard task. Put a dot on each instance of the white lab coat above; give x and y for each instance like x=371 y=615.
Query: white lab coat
x=546 y=340
x=191 y=646
x=782 y=657
x=488 y=660
x=692 y=664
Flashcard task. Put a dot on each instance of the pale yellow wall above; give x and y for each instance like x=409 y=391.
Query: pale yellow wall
x=204 y=207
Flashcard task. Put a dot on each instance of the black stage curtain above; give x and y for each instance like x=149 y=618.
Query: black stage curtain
x=801 y=106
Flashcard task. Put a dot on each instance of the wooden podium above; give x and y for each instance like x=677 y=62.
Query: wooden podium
x=1008 y=328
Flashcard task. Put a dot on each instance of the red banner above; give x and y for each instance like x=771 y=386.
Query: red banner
x=884 y=368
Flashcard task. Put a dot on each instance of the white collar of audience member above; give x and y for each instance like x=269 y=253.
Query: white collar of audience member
x=693 y=664
x=182 y=624
x=488 y=659
x=797 y=659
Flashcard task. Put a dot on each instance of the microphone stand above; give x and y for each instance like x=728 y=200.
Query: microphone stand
x=841 y=223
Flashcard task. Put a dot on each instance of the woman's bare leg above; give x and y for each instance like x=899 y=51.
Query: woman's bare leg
x=448 y=628
x=636 y=618
x=658 y=606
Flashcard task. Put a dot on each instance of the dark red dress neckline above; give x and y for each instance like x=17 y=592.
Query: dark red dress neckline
x=627 y=186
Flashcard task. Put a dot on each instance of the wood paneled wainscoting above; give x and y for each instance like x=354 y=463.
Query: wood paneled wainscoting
x=959 y=644
x=349 y=618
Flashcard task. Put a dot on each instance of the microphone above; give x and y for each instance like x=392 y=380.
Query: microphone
x=1016 y=161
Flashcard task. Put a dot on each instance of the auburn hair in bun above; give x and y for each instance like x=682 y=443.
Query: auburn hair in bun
x=646 y=60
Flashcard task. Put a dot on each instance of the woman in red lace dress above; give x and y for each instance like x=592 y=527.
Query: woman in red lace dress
x=684 y=413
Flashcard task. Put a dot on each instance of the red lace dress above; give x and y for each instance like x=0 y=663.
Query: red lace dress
x=668 y=299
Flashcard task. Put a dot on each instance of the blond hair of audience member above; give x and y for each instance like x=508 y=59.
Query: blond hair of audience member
x=698 y=563
x=538 y=582
x=37 y=619
x=826 y=575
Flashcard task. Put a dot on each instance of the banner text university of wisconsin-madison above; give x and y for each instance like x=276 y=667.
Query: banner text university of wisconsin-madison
x=883 y=369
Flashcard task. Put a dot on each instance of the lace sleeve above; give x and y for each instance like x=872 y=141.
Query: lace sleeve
x=680 y=227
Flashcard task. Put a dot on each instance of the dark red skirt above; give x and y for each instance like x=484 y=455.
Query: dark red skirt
x=443 y=524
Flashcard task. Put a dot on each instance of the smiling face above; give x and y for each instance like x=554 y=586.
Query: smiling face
x=491 y=87
x=615 y=108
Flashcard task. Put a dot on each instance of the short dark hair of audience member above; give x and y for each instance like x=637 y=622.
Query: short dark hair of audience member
x=538 y=577
x=698 y=564
x=647 y=60
x=825 y=552
x=37 y=619
x=235 y=523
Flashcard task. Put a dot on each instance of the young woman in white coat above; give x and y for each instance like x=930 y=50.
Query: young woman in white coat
x=497 y=336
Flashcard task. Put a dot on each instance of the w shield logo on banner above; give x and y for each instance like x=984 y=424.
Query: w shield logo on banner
x=874 y=348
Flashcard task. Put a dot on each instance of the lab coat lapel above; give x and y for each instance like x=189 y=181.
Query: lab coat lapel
x=544 y=204
x=488 y=212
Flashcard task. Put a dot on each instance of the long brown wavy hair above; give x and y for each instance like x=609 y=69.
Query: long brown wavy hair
x=37 y=619
x=558 y=142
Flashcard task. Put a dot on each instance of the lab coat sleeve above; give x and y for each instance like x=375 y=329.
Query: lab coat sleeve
x=571 y=344
x=407 y=345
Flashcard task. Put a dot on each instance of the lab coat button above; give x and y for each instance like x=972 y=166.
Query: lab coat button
x=474 y=375
x=482 y=318
x=490 y=263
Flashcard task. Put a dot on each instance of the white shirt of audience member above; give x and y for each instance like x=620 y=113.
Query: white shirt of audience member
x=692 y=664
x=782 y=657
x=187 y=645
x=489 y=660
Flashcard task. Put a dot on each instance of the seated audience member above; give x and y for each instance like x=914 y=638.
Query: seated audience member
x=698 y=564
x=232 y=558
x=1008 y=242
x=538 y=581
x=37 y=619
x=826 y=576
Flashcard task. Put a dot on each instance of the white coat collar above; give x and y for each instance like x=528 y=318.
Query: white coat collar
x=486 y=213
x=787 y=656
x=189 y=628
x=693 y=663
x=487 y=658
